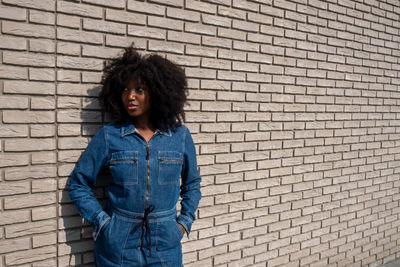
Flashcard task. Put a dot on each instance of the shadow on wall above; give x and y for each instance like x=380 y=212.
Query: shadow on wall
x=75 y=238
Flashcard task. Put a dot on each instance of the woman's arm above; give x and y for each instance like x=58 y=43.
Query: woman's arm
x=83 y=180
x=190 y=188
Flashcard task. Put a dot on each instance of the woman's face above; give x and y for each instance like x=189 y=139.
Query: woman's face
x=136 y=100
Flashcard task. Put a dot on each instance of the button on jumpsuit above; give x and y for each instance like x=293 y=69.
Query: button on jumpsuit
x=139 y=224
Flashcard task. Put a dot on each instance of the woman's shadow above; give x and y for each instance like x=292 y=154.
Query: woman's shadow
x=75 y=241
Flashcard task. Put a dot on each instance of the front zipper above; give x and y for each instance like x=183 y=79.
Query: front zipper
x=146 y=205
x=148 y=175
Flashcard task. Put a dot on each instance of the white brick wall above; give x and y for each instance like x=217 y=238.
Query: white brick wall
x=293 y=108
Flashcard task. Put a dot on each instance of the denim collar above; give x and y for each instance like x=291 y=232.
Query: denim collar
x=128 y=128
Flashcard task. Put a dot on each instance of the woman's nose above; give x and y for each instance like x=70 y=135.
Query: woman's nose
x=132 y=94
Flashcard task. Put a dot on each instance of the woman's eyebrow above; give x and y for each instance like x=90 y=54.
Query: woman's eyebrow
x=141 y=85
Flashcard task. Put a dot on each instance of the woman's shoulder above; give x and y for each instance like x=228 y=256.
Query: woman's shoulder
x=117 y=125
x=180 y=129
x=113 y=125
x=112 y=128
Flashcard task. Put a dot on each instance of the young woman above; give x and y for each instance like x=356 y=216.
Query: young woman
x=152 y=161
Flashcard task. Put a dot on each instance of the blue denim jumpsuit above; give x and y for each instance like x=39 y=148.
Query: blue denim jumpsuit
x=139 y=225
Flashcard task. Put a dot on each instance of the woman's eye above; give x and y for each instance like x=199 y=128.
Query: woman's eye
x=140 y=90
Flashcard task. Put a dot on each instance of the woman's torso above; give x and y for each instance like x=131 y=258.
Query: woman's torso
x=144 y=173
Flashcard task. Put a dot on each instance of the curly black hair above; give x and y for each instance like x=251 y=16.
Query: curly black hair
x=165 y=80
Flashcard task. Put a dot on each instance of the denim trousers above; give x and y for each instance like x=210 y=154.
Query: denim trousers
x=125 y=240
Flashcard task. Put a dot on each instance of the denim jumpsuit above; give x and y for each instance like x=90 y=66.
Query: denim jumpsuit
x=139 y=224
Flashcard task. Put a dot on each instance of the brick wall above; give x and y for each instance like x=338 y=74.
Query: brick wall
x=294 y=108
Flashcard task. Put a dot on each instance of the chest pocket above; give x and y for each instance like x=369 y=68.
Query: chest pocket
x=124 y=167
x=169 y=167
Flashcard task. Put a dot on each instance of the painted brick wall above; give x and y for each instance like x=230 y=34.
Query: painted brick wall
x=294 y=107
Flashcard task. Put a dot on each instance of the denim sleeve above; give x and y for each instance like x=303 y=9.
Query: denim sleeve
x=190 y=188
x=83 y=180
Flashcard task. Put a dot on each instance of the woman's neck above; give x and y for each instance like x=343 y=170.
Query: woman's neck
x=145 y=129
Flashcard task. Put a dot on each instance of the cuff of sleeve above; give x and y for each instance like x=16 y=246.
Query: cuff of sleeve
x=186 y=222
x=101 y=219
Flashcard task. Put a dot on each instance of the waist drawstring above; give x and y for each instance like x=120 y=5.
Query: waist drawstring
x=144 y=223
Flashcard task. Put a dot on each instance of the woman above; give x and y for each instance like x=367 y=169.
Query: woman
x=147 y=150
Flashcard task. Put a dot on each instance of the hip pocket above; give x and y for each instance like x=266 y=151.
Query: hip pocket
x=110 y=242
x=104 y=231
x=169 y=235
x=97 y=230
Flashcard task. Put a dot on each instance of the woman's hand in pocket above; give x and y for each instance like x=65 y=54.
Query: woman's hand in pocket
x=182 y=228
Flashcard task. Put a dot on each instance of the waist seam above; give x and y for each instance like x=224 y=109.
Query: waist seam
x=136 y=217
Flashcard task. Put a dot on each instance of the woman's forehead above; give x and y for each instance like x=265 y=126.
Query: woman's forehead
x=136 y=81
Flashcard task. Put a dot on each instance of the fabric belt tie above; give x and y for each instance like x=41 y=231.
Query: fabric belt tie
x=145 y=225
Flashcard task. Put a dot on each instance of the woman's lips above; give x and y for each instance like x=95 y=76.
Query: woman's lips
x=132 y=107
